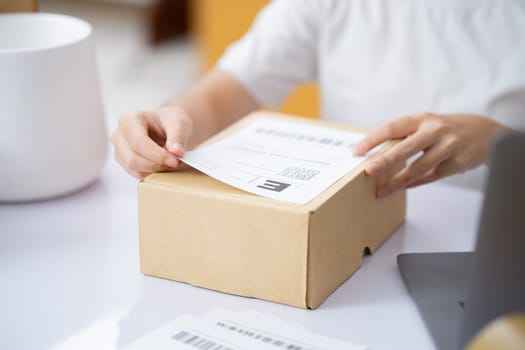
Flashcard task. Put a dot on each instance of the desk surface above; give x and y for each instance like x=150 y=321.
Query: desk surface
x=69 y=274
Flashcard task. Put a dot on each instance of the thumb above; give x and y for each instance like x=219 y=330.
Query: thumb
x=178 y=130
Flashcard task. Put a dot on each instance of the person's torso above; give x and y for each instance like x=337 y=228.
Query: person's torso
x=381 y=59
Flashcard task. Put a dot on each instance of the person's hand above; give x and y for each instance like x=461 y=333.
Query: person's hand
x=449 y=144
x=151 y=141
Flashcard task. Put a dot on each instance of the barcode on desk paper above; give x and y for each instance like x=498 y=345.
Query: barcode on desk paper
x=299 y=173
x=199 y=342
x=277 y=341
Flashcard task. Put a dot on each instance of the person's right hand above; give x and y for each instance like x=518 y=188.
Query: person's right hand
x=152 y=141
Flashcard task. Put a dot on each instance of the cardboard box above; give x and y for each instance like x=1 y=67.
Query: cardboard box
x=198 y=230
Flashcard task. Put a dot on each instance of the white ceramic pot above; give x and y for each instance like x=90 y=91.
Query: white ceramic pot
x=52 y=130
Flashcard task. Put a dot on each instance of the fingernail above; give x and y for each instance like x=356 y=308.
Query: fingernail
x=172 y=162
x=176 y=147
x=373 y=168
x=384 y=191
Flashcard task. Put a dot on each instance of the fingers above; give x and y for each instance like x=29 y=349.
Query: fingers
x=133 y=173
x=443 y=169
x=134 y=135
x=134 y=163
x=421 y=167
x=428 y=133
x=178 y=128
x=401 y=152
x=450 y=144
x=394 y=129
x=148 y=142
x=135 y=150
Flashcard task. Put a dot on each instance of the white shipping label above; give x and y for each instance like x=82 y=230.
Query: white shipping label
x=283 y=160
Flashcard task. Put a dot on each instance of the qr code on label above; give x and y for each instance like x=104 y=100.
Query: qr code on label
x=299 y=173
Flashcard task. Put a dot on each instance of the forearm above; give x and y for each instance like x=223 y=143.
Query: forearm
x=213 y=103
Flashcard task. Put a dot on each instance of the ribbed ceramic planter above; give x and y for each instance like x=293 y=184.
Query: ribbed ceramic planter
x=52 y=130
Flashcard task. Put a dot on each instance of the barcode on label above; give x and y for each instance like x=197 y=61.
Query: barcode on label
x=305 y=137
x=264 y=338
x=299 y=173
x=199 y=342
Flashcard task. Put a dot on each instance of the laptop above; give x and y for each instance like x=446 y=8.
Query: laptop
x=459 y=293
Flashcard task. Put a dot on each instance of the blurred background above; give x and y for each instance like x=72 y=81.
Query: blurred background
x=150 y=50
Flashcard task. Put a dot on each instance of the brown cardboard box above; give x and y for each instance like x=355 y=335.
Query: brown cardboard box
x=198 y=230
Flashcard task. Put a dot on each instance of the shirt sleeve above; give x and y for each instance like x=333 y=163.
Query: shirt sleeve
x=279 y=51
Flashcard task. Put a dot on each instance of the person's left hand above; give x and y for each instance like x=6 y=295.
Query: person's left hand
x=449 y=144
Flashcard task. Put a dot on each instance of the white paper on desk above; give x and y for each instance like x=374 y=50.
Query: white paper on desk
x=283 y=160
x=226 y=330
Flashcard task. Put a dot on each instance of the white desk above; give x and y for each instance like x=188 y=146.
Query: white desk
x=69 y=274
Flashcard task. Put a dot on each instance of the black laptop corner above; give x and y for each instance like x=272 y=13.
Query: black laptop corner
x=458 y=293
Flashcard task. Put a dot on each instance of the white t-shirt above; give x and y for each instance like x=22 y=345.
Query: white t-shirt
x=375 y=60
